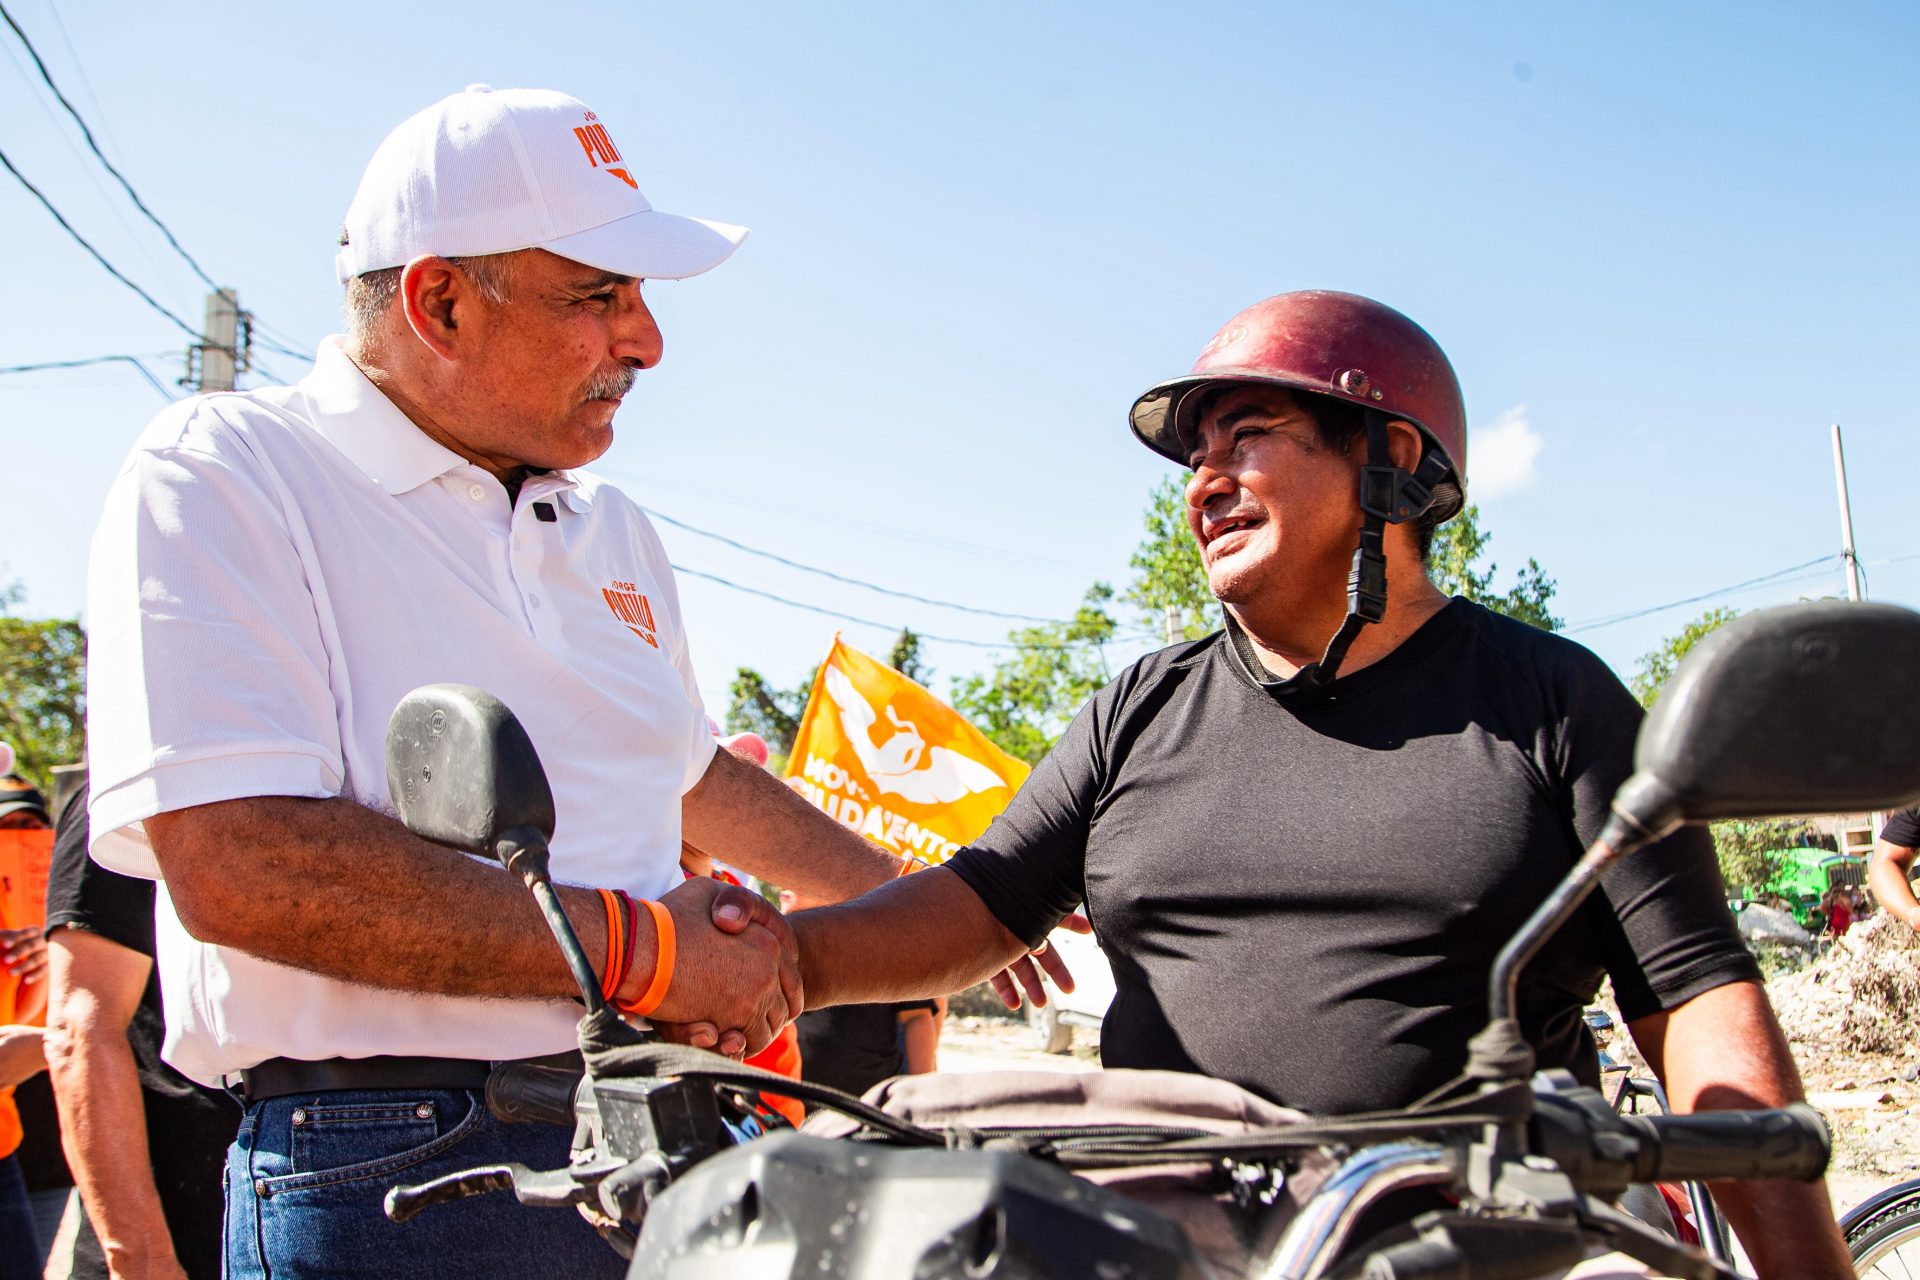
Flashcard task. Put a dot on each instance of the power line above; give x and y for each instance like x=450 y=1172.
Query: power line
x=135 y=361
x=841 y=577
x=868 y=622
x=82 y=241
x=93 y=145
x=100 y=155
x=1774 y=577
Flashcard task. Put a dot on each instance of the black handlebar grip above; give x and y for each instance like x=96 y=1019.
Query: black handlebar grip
x=523 y=1093
x=1792 y=1142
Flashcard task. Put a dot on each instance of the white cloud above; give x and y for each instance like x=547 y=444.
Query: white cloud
x=1501 y=455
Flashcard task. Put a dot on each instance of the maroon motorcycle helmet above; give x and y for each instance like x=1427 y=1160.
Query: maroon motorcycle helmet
x=1323 y=343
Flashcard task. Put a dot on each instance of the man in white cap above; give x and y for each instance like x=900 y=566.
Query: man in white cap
x=275 y=569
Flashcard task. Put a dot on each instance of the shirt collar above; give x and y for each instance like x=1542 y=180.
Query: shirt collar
x=355 y=417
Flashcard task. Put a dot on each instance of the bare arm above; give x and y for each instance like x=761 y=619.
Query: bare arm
x=744 y=815
x=1723 y=1051
x=96 y=988
x=920 y=1038
x=934 y=933
x=336 y=889
x=1887 y=876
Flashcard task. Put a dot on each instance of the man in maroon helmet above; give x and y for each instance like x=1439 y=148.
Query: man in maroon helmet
x=1303 y=839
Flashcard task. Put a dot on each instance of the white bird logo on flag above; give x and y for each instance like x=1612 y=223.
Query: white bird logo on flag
x=904 y=765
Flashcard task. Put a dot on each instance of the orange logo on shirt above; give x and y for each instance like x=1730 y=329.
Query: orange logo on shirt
x=600 y=149
x=632 y=608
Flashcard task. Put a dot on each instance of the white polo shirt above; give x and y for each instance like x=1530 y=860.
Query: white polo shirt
x=274 y=570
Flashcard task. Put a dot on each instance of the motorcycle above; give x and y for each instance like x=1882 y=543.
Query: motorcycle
x=1503 y=1174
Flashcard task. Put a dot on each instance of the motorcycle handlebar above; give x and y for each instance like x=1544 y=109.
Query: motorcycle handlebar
x=1792 y=1142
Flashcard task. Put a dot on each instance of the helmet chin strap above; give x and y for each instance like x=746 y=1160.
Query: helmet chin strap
x=1388 y=495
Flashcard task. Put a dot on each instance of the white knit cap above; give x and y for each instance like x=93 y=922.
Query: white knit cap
x=492 y=171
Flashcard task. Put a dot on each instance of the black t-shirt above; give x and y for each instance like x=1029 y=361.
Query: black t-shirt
x=1305 y=894
x=1903 y=828
x=852 y=1047
x=188 y=1127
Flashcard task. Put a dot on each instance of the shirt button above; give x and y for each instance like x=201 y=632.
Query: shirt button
x=516 y=542
x=475 y=492
x=533 y=600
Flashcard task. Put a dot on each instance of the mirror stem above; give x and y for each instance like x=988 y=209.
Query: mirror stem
x=524 y=852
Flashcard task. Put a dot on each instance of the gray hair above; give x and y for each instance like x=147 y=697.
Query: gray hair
x=371 y=294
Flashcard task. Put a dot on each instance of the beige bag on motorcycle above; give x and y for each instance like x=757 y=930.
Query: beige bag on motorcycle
x=1225 y=1227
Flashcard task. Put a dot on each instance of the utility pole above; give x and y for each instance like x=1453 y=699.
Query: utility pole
x=212 y=365
x=1847 y=552
x=1854 y=594
x=1173 y=624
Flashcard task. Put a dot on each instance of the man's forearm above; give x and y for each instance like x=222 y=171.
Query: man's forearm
x=1724 y=1051
x=103 y=1128
x=745 y=816
x=1887 y=877
x=334 y=888
x=924 y=935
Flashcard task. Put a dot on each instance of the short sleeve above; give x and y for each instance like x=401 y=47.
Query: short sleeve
x=1670 y=936
x=82 y=894
x=1903 y=828
x=207 y=673
x=1029 y=867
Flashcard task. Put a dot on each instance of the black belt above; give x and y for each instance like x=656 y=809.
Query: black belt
x=279 y=1077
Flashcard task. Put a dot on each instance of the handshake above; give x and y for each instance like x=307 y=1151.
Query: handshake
x=736 y=970
x=736 y=975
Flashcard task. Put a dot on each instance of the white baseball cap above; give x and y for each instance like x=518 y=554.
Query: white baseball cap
x=492 y=171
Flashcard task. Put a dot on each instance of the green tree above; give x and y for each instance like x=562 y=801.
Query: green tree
x=905 y=658
x=1452 y=564
x=755 y=705
x=1656 y=665
x=1025 y=703
x=42 y=690
x=1747 y=851
x=1168 y=571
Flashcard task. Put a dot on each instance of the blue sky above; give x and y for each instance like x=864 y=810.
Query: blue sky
x=1665 y=247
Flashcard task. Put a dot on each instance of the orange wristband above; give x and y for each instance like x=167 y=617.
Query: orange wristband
x=614 y=971
x=663 y=956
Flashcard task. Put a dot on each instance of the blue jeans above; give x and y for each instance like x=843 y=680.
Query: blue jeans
x=306 y=1176
x=20 y=1254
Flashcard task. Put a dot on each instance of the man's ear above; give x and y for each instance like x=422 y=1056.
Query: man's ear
x=1404 y=444
x=436 y=298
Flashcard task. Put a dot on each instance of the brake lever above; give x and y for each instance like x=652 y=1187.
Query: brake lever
x=537 y=1188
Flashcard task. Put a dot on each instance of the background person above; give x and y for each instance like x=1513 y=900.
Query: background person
x=146 y=1145
x=27 y=1221
x=1891 y=865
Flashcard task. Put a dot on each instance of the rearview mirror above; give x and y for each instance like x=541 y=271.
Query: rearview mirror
x=1801 y=709
x=462 y=771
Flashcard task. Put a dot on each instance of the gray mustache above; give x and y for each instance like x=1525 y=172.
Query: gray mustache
x=611 y=385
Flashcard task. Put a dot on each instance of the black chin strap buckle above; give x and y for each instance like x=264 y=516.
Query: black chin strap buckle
x=1367 y=580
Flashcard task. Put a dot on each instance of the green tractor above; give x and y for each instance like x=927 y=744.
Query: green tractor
x=1804 y=876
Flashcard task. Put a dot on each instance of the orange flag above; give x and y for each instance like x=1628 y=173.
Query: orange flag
x=880 y=754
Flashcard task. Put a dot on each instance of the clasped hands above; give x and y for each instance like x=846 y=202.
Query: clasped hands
x=736 y=979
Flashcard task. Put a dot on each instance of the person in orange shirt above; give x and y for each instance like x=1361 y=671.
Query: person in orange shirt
x=23 y=992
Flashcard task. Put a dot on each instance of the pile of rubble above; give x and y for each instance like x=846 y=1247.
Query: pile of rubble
x=1861 y=998
x=1853 y=1018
